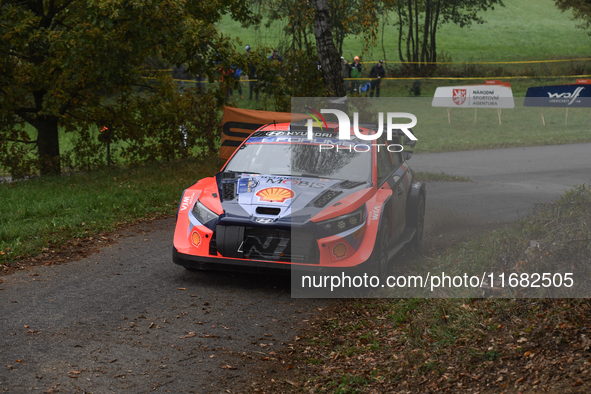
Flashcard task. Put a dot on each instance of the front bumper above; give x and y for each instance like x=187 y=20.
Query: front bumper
x=254 y=266
x=228 y=264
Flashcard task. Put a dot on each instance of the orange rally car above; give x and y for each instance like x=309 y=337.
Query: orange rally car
x=283 y=199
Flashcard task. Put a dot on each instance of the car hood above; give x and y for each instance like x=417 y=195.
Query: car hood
x=272 y=198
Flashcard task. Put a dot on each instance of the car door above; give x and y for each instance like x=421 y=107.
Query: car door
x=400 y=189
x=391 y=176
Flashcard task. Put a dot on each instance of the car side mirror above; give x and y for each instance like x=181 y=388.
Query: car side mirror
x=407 y=154
x=408 y=142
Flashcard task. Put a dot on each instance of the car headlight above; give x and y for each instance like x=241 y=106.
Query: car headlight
x=345 y=222
x=202 y=213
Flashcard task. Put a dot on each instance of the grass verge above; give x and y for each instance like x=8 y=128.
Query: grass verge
x=40 y=214
x=423 y=176
x=555 y=238
x=451 y=345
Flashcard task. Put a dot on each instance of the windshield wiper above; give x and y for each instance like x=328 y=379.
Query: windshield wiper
x=300 y=175
x=312 y=176
x=241 y=172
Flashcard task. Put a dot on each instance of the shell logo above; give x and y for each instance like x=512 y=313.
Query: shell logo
x=340 y=250
x=274 y=194
x=196 y=238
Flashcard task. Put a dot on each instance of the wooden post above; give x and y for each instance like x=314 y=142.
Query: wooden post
x=448 y=115
x=566 y=119
x=475 y=109
x=499 y=113
x=543 y=121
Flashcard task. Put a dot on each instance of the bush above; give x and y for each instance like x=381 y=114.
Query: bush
x=177 y=125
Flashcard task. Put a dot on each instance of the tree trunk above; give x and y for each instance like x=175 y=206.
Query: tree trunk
x=327 y=52
x=417 y=39
x=433 y=52
x=400 y=25
x=424 y=53
x=48 y=145
x=410 y=37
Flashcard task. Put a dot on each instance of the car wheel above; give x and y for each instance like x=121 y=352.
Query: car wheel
x=381 y=254
x=416 y=243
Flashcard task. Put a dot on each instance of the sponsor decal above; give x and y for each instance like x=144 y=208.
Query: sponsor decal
x=493 y=94
x=374 y=214
x=570 y=97
x=247 y=184
x=315 y=115
x=187 y=200
x=262 y=135
x=575 y=95
x=196 y=239
x=459 y=96
x=274 y=194
x=295 y=137
x=293 y=182
x=340 y=250
x=264 y=220
x=359 y=233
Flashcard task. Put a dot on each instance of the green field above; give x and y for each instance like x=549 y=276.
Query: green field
x=522 y=30
x=520 y=126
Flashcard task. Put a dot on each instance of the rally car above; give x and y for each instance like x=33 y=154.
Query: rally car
x=283 y=200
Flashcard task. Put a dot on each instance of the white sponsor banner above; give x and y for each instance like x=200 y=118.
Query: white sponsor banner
x=494 y=94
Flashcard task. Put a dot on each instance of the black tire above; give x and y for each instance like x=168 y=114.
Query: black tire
x=381 y=249
x=416 y=244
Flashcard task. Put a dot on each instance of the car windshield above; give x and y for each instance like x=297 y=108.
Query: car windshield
x=302 y=160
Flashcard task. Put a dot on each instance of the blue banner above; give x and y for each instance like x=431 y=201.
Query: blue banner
x=576 y=95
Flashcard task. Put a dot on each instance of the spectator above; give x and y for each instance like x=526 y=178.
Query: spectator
x=223 y=75
x=229 y=91
x=356 y=69
x=346 y=71
x=179 y=74
x=275 y=68
x=377 y=73
x=237 y=74
x=234 y=73
x=199 y=78
x=275 y=56
x=252 y=76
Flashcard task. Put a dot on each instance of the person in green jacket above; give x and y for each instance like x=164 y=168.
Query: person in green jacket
x=356 y=69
